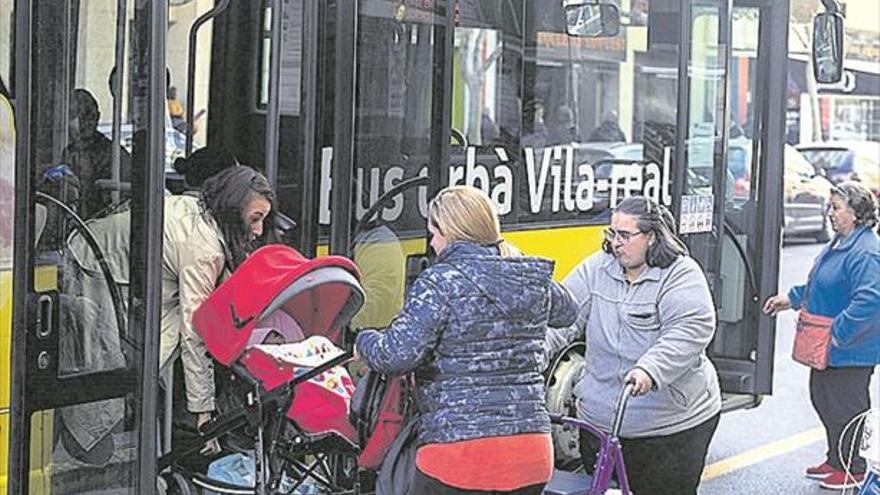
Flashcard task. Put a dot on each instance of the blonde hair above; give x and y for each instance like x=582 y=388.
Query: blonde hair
x=464 y=213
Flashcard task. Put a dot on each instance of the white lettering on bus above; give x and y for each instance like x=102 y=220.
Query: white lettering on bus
x=477 y=175
x=423 y=194
x=536 y=186
x=326 y=182
x=573 y=188
x=503 y=193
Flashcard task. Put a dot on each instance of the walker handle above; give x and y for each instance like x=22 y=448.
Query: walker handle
x=622 y=399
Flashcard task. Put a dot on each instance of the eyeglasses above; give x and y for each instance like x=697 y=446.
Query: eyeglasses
x=611 y=235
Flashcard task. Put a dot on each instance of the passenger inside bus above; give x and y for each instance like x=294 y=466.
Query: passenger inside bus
x=90 y=155
x=563 y=130
x=176 y=110
x=377 y=251
x=609 y=130
x=535 y=132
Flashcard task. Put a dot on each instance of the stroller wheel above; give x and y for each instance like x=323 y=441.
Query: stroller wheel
x=178 y=484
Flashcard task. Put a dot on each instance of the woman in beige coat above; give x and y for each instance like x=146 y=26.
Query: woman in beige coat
x=206 y=237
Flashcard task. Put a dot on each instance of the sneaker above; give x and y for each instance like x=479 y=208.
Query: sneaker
x=838 y=480
x=820 y=472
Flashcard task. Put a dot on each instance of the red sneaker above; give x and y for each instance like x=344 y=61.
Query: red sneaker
x=820 y=472
x=838 y=480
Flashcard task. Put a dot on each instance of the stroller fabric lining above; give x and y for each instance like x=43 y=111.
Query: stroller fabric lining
x=321 y=404
x=322 y=296
x=280 y=323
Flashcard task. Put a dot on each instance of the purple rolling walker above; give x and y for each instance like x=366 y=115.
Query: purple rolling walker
x=608 y=462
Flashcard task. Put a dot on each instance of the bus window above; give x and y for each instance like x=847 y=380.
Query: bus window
x=707 y=183
x=392 y=149
x=487 y=105
x=612 y=99
x=735 y=337
x=181 y=17
x=232 y=76
x=557 y=128
x=487 y=45
x=7 y=238
x=7 y=184
x=706 y=106
x=6 y=49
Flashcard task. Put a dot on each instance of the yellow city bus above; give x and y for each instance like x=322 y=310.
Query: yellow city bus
x=358 y=112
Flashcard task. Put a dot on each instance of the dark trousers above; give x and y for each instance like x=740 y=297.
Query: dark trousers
x=668 y=464
x=426 y=485
x=838 y=395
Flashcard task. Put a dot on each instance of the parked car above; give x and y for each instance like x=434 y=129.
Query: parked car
x=846 y=160
x=807 y=191
x=807 y=194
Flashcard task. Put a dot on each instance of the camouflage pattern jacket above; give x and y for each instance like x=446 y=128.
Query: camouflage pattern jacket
x=472 y=327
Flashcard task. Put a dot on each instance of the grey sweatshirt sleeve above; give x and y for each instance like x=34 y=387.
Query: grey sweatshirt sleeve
x=687 y=324
x=578 y=285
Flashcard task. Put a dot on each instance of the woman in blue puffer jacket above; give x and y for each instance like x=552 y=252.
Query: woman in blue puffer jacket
x=472 y=327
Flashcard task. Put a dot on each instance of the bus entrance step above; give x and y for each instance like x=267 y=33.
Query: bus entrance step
x=568 y=483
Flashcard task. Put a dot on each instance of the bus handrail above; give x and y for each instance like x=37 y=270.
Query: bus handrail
x=383 y=199
x=112 y=285
x=750 y=272
x=191 y=72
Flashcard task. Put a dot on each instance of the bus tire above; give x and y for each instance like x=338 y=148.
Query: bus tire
x=563 y=374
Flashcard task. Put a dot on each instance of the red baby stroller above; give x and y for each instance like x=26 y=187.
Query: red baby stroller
x=290 y=398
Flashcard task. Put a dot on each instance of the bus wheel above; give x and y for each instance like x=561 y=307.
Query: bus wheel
x=562 y=376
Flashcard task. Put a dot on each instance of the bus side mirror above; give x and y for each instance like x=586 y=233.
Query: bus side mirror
x=592 y=19
x=828 y=47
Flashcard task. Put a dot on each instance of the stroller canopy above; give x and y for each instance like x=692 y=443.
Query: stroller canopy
x=321 y=295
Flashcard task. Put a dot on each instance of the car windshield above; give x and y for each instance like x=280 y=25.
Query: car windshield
x=175 y=142
x=826 y=159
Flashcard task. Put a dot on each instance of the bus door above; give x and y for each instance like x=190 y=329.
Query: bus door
x=82 y=347
x=727 y=193
x=558 y=125
x=390 y=137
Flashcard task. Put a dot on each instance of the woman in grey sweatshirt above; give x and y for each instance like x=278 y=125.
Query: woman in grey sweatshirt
x=647 y=316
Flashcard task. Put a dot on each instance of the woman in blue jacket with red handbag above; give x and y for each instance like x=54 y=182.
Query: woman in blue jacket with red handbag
x=844 y=286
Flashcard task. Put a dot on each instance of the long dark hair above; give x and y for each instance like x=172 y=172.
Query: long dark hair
x=653 y=218
x=224 y=196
